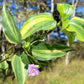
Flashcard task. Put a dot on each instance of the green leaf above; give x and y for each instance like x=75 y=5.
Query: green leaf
x=65 y=24
x=76 y=24
x=33 y=60
x=43 y=51
x=3 y=65
x=33 y=37
x=26 y=45
x=70 y=35
x=6 y=56
x=43 y=21
x=25 y=58
x=10 y=29
x=65 y=10
x=19 y=69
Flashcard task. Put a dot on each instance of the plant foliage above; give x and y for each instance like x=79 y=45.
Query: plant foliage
x=34 y=50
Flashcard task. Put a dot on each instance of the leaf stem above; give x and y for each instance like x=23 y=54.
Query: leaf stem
x=10 y=55
x=7 y=50
x=27 y=52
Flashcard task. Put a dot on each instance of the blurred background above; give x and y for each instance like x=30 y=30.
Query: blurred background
x=65 y=70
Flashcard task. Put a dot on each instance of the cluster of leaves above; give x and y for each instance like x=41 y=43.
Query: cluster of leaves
x=39 y=49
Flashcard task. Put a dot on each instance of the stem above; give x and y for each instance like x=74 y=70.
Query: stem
x=11 y=55
x=58 y=24
x=7 y=57
x=7 y=50
x=27 y=52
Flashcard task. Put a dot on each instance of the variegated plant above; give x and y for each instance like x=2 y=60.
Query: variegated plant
x=34 y=50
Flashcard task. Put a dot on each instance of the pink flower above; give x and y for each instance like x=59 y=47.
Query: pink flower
x=32 y=70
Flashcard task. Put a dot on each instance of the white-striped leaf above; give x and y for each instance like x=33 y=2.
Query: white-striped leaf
x=76 y=24
x=19 y=69
x=43 y=21
x=9 y=27
x=65 y=10
x=43 y=51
